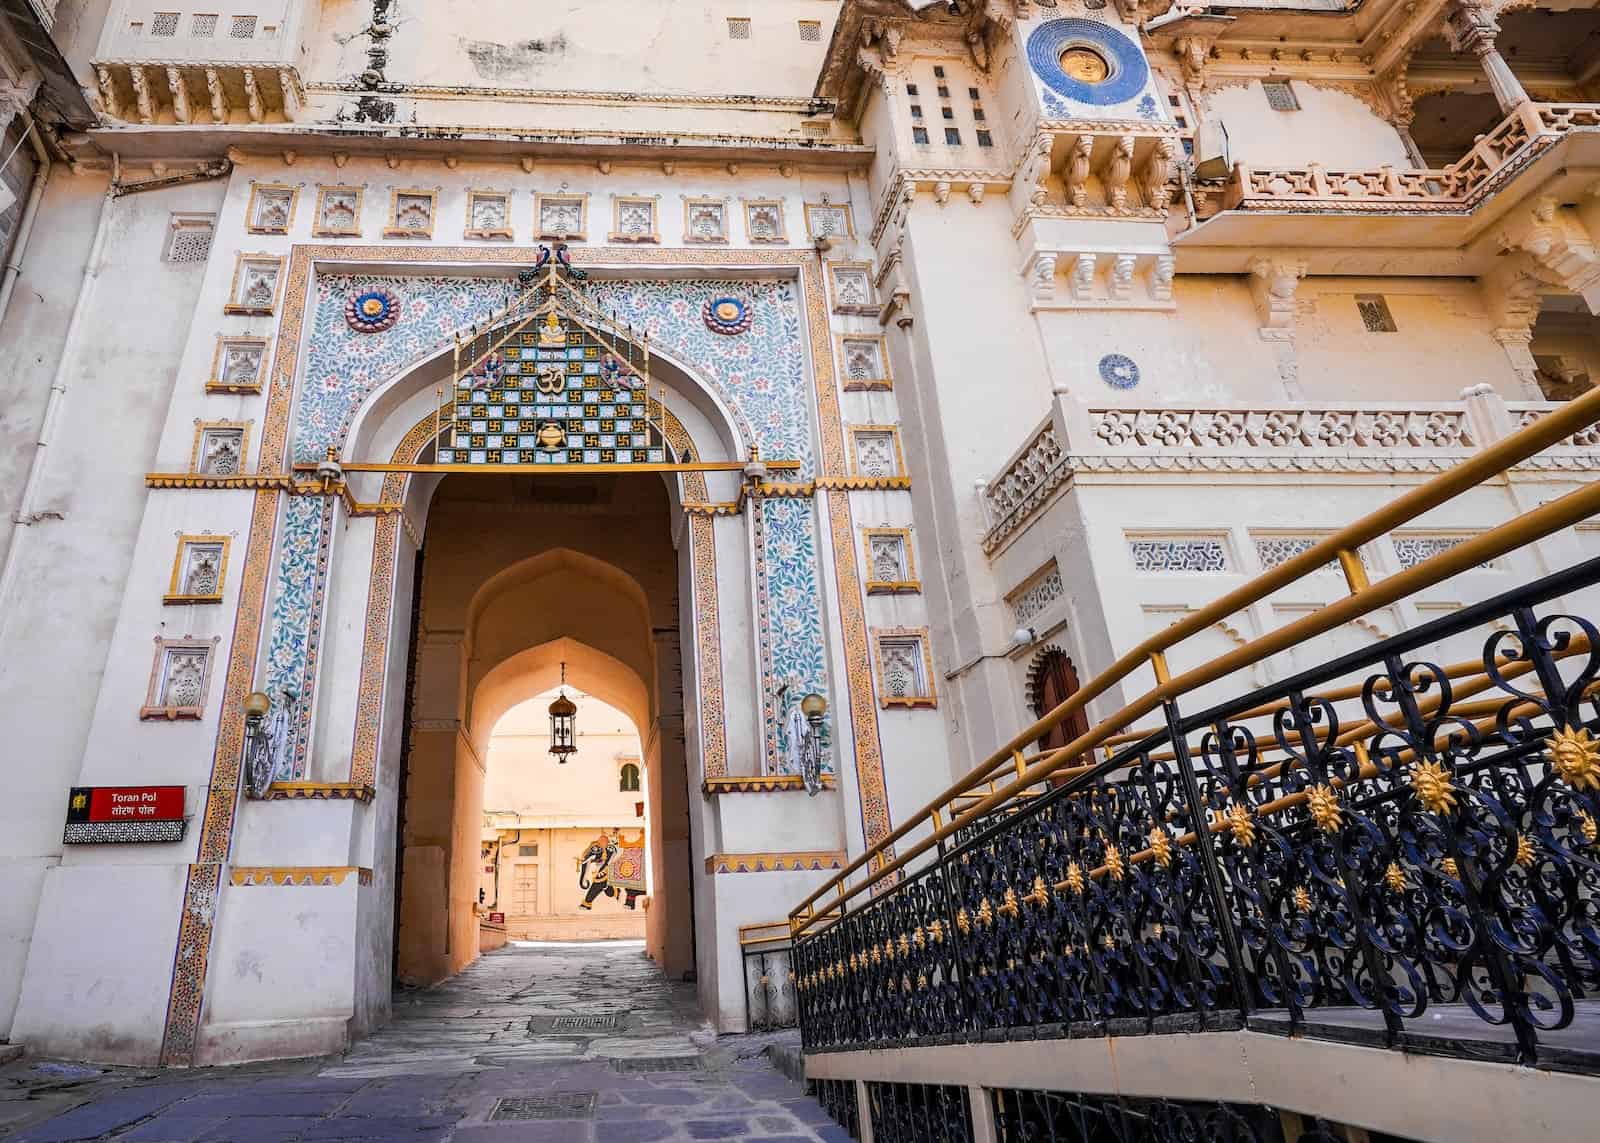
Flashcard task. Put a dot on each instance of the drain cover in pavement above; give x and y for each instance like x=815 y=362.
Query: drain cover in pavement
x=583 y=1024
x=656 y=1064
x=565 y=1105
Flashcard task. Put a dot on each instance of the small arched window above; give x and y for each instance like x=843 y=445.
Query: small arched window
x=630 y=779
x=1052 y=679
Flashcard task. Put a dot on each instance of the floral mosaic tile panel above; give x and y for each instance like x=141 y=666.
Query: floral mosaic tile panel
x=794 y=612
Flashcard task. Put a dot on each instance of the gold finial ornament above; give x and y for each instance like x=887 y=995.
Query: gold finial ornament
x=1434 y=787
x=1395 y=878
x=1323 y=805
x=1302 y=898
x=905 y=945
x=552 y=436
x=936 y=931
x=919 y=938
x=1576 y=758
x=1008 y=904
x=1237 y=821
x=985 y=913
x=1116 y=868
x=1161 y=845
x=963 y=922
x=1040 y=894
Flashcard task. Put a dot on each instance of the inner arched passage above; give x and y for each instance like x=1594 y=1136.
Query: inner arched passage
x=521 y=574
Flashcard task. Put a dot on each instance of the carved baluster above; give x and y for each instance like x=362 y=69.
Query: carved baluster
x=1078 y=170
x=1161 y=274
x=108 y=92
x=1118 y=167
x=219 y=97
x=1155 y=182
x=1044 y=278
x=253 y=96
x=180 y=94
x=1081 y=284
x=1122 y=276
x=141 y=93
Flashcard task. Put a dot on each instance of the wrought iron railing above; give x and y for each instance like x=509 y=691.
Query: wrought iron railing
x=1385 y=836
x=769 y=977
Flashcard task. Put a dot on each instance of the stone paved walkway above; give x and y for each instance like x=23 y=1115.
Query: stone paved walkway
x=459 y=1064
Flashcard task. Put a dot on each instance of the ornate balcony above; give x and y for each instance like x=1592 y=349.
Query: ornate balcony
x=1259 y=206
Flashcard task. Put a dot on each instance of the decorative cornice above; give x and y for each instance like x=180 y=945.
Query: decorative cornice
x=298 y=875
x=759 y=784
x=254 y=481
x=811 y=861
x=865 y=483
x=319 y=791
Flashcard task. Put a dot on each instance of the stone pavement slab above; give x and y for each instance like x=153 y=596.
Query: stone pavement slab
x=452 y=1056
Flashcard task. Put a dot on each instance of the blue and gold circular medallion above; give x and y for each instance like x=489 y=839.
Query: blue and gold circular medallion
x=1119 y=371
x=727 y=315
x=1086 y=61
x=372 y=311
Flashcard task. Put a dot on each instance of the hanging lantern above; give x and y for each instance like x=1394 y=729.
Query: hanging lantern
x=563 y=723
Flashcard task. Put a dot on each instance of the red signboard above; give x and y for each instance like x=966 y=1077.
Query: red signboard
x=497 y=918
x=125 y=804
x=101 y=815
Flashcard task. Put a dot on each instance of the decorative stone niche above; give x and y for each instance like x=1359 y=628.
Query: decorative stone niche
x=891 y=568
x=238 y=366
x=219 y=448
x=905 y=667
x=875 y=451
x=198 y=570
x=634 y=219
x=180 y=677
x=488 y=214
x=864 y=363
x=827 y=220
x=705 y=220
x=338 y=212
x=850 y=288
x=763 y=222
x=563 y=216
x=411 y=214
x=271 y=209
x=254 y=292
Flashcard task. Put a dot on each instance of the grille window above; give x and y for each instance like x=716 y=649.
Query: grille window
x=952 y=136
x=203 y=25
x=738 y=28
x=527 y=851
x=189 y=239
x=164 y=24
x=811 y=31
x=919 y=134
x=1375 y=315
x=1280 y=96
x=985 y=139
x=244 y=28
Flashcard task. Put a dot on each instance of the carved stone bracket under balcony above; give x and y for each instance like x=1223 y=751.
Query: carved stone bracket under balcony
x=1094 y=169
x=162 y=92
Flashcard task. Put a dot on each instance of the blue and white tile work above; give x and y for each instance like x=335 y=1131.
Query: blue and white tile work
x=1126 y=92
x=792 y=644
x=759 y=375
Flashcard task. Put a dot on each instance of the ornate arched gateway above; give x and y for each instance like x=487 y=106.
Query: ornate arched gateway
x=709 y=368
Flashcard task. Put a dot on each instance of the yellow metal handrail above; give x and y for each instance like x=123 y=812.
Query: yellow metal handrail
x=1341 y=547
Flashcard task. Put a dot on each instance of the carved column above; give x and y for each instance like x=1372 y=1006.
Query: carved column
x=1273 y=283
x=1471 y=27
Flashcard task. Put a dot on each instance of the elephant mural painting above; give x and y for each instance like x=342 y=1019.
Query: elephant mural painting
x=614 y=867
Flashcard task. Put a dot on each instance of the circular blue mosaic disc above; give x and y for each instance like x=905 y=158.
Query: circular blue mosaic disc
x=1118 y=371
x=727 y=315
x=372 y=311
x=1127 y=71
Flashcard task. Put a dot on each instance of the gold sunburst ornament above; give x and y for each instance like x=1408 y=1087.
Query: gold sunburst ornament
x=1395 y=878
x=1434 y=787
x=1576 y=758
x=985 y=913
x=1008 y=904
x=1302 y=898
x=1161 y=845
x=1323 y=805
x=1075 y=878
x=1115 y=867
x=1237 y=821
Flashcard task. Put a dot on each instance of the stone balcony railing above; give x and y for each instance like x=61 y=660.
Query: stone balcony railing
x=1329 y=437
x=1523 y=135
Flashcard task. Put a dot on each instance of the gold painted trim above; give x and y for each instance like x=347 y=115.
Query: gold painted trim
x=215 y=384
x=689 y=238
x=618 y=201
x=319 y=792
x=505 y=232
x=882 y=634
x=233 y=307
x=241 y=876
x=581 y=198
x=173 y=594
x=782 y=238
x=255 y=481
x=880 y=384
x=320 y=231
x=759 y=784
x=255 y=196
x=200 y=428
x=394 y=230
x=849 y=217
x=799 y=862
x=865 y=483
